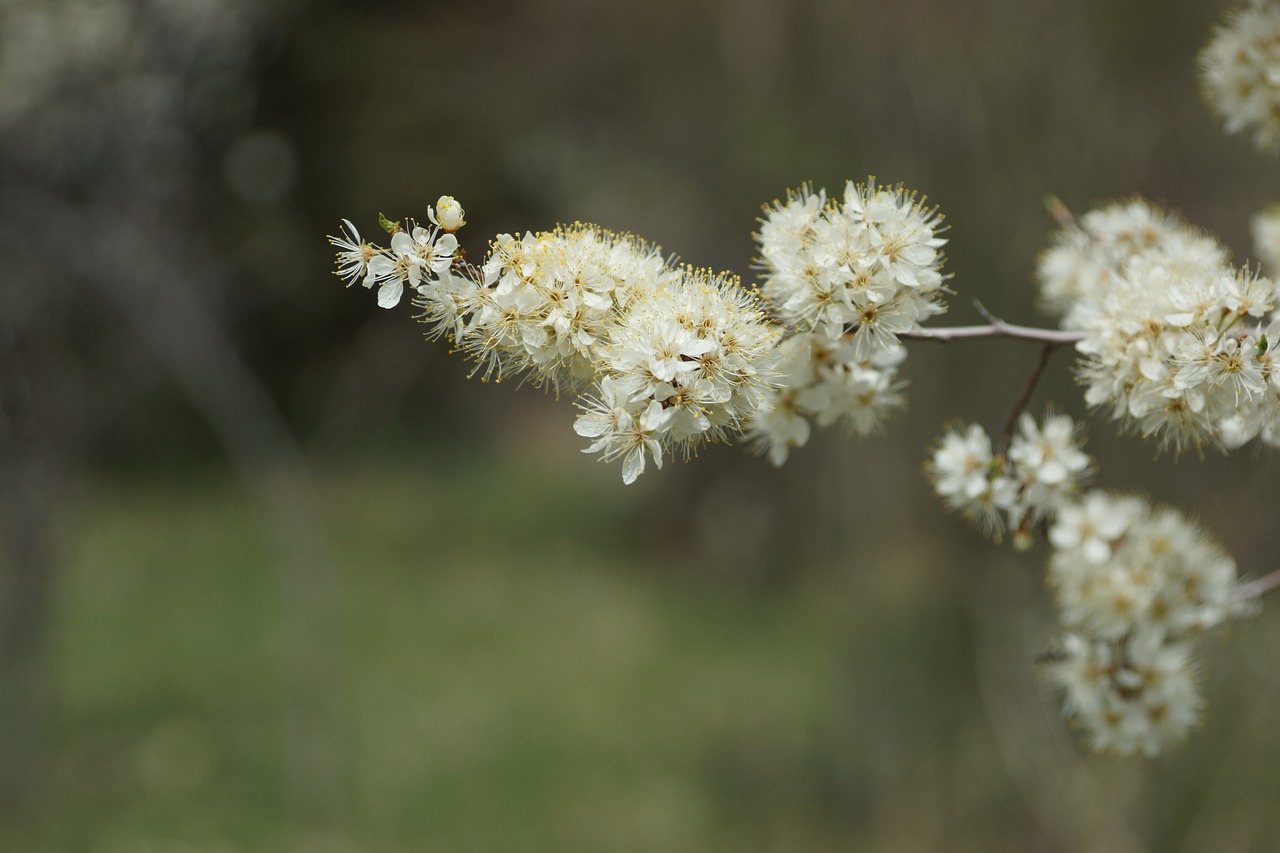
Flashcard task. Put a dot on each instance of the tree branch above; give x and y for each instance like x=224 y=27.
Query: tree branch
x=1019 y=405
x=997 y=329
x=1257 y=587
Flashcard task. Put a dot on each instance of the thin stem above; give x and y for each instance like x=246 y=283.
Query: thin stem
x=984 y=313
x=1019 y=405
x=997 y=329
x=1257 y=587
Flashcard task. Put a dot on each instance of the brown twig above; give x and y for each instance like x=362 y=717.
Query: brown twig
x=1019 y=405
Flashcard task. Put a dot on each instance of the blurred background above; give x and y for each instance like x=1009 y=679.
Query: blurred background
x=275 y=576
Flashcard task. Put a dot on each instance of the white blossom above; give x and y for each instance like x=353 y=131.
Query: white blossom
x=414 y=257
x=1132 y=696
x=1240 y=72
x=1094 y=525
x=1041 y=470
x=665 y=358
x=849 y=278
x=1047 y=461
x=869 y=265
x=447 y=214
x=1134 y=586
x=970 y=478
x=1174 y=345
x=353 y=254
x=621 y=430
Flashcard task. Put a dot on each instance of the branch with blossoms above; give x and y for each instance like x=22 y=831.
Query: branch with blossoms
x=1172 y=342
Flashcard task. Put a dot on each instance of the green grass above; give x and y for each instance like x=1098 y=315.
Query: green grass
x=505 y=675
x=495 y=659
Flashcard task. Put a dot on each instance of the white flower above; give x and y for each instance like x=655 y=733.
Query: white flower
x=870 y=264
x=577 y=307
x=1172 y=348
x=850 y=277
x=415 y=256
x=621 y=431
x=778 y=427
x=961 y=467
x=1130 y=697
x=642 y=436
x=1094 y=525
x=606 y=415
x=353 y=253
x=967 y=478
x=1048 y=461
x=1240 y=72
x=855 y=395
x=1120 y=567
x=447 y=214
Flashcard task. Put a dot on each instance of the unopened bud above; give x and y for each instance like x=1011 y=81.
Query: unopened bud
x=448 y=213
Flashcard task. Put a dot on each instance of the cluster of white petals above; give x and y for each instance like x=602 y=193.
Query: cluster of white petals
x=606 y=317
x=415 y=257
x=847 y=278
x=680 y=365
x=1240 y=72
x=1042 y=470
x=1134 y=586
x=820 y=378
x=869 y=266
x=1174 y=343
x=546 y=302
x=1178 y=343
x=1119 y=565
x=1089 y=258
x=1132 y=696
x=664 y=358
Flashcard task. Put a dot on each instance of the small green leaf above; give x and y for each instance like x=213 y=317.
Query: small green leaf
x=387 y=225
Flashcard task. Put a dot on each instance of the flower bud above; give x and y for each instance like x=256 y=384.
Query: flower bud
x=448 y=213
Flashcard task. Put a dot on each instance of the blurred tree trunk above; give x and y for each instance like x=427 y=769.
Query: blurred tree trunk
x=39 y=449
x=156 y=275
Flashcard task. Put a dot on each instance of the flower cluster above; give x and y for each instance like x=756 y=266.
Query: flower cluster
x=870 y=265
x=1174 y=342
x=680 y=366
x=1134 y=585
x=1240 y=72
x=1089 y=257
x=1178 y=343
x=1130 y=696
x=1119 y=565
x=1041 y=471
x=665 y=358
x=820 y=378
x=544 y=303
x=416 y=254
x=848 y=278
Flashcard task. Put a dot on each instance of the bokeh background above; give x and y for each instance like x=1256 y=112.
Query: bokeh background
x=275 y=576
